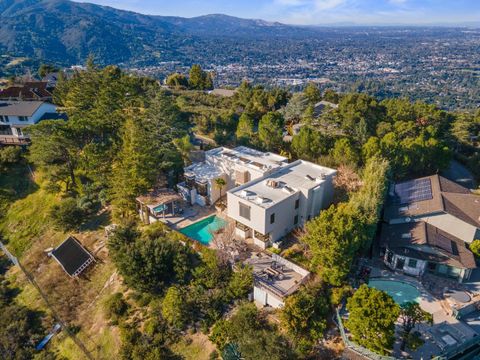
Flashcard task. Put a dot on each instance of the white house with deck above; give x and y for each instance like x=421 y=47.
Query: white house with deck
x=16 y=115
x=269 y=207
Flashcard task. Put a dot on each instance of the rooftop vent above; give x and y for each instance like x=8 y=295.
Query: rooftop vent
x=288 y=189
x=247 y=193
x=311 y=178
x=273 y=184
x=323 y=176
x=262 y=200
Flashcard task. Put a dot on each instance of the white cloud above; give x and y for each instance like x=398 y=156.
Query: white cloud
x=313 y=4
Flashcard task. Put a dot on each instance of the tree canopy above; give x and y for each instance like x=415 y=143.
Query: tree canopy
x=372 y=317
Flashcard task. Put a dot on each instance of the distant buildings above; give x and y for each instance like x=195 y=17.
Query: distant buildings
x=429 y=223
x=16 y=115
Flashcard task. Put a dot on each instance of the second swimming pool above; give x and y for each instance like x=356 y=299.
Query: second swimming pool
x=202 y=231
x=400 y=291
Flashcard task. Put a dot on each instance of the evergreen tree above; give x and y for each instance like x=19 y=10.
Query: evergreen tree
x=200 y=79
x=270 y=131
x=245 y=132
x=309 y=144
x=312 y=93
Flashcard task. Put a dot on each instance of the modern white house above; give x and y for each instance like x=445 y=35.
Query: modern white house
x=268 y=208
x=16 y=115
x=275 y=278
x=429 y=223
x=235 y=166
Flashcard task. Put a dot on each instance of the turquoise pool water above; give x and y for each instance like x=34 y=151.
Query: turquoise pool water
x=400 y=291
x=202 y=230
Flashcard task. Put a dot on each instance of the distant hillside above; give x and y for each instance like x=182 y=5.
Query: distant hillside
x=66 y=32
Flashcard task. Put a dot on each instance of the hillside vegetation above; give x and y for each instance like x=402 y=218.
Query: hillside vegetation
x=152 y=293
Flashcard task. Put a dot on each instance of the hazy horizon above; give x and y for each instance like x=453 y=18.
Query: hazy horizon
x=317 y=12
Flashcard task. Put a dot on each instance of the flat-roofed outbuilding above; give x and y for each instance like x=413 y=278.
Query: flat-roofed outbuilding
x=72 y=256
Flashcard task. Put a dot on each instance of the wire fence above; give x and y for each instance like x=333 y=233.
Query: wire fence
x=55 y=314
x=355 y=347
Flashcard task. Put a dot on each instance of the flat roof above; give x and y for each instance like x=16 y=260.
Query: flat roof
x=159 y=197
x=203 y=170
x=277 y=274
x=249 y=157
x=297 y=176
x=241 y=155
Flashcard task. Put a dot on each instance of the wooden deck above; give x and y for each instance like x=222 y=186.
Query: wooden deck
x=10 y=140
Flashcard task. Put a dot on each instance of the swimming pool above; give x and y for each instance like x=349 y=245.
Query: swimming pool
x=202 y=230
x=400 y=291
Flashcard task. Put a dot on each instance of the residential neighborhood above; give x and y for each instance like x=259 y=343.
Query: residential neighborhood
x=270 y=180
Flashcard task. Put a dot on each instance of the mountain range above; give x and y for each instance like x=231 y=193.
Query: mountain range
x=67 y=32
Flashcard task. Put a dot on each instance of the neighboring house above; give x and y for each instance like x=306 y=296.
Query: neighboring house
x=322 y=106
x=429 y=223
x=223 y=92
x=268 y=208
x=275 y=278
x=51 y=79
x=235 y=167
x=30 y=91
x=16 y=115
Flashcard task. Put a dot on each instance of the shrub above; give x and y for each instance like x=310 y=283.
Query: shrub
x=475 y=247
x=9 y=156
x=115 y=307
x=67 y=215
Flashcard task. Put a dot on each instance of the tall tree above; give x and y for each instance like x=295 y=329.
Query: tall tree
x=309 y=144
x=200 y=79
x=55 y=150
x=150 y=261
x=270 y=131
x=411 y=314
x=245 y=131
x=312 y=93
x=341 y=231
x=304 y=316
x=372 y=317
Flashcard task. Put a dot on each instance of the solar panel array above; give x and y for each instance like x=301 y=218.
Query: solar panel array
x=413 y=191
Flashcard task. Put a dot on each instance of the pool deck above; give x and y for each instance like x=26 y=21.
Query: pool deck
x=445 y=328
x=191 y=214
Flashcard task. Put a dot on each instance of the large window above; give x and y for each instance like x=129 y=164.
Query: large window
x=297 y=203
x=272 y=218
x=244 y=211
x=295 y=220
x=4 y=118
x=412 y=263
x=23 y=118
x=202 y=188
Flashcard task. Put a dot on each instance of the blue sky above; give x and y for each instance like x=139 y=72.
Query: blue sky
x=315 y=11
